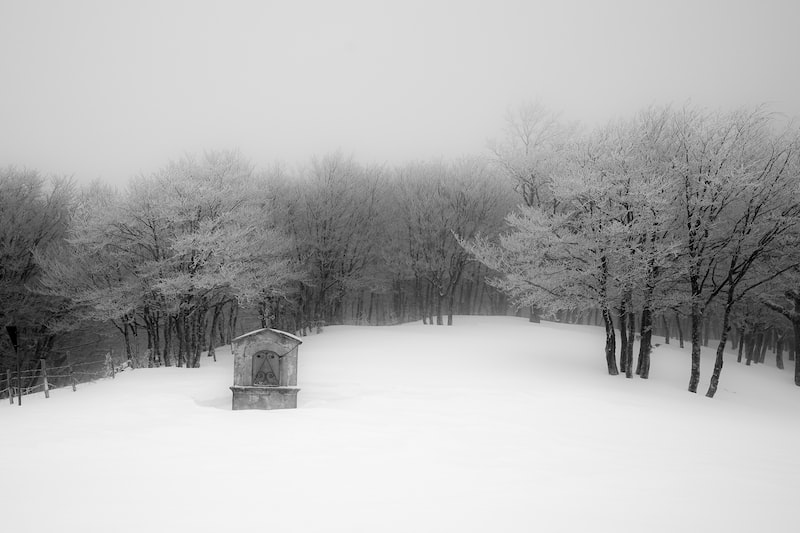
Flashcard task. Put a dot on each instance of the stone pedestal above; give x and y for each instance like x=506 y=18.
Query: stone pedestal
x=264 y=397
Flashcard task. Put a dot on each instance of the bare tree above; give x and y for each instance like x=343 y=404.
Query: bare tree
x=334 y=220
x=533 y=150
x=436 y=204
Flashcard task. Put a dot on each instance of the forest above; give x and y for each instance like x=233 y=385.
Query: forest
x=680 y=222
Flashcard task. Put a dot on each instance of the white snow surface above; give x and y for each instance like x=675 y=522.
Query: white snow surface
x=493 y=424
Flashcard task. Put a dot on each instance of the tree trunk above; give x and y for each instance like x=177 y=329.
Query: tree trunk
x=200 y=329
x=756 y=357
x=450 y=306
x=233 y=318
x=750 y=347
x=718 y=362
x=697 y=324
x=622 y=316
x=126 y=334
x=430 y=304
x=611 y=348
x=468 y=297
x=399 y=303
x=796 y=328
x=680 y=330
x=148 y=324
x=221 y=328
x=426 y=304
x=168 y=320
x=188 y=344
x=666 y=329
x=419 y=301
x=645 y=346
x=211 y=337
x=371 y=306
x=159 y=354
x=263 y=313
x=192 y=328
x=439 y=301
x=122 y=327
x=741 y=345
x=179 y=327
x=779 y=352
x=631 y=338
x=764 y=345
x=480 y=294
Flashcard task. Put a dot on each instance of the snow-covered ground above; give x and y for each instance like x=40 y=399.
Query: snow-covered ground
x=493 y=424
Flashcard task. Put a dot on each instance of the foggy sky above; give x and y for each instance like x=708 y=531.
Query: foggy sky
x=109 y=89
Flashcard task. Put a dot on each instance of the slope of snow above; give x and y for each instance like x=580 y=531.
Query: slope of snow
x=493 y=424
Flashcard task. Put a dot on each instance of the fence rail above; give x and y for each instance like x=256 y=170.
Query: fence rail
x=47 y=378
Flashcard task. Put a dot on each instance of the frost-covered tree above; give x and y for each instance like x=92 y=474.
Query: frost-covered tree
x=34 y=214
x=627 y=184
x=602 y=240
x=762 y=228
x=727 y=172
x=93 y=269
x=695 y=203
x=176 y=247
x=534 y=148
x=222 y=246
x=535 y=144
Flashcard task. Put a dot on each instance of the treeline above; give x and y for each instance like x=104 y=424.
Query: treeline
x=677 y=219
x=174 y=256
x=674 y=213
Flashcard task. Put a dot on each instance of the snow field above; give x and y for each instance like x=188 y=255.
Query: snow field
x=492 y=424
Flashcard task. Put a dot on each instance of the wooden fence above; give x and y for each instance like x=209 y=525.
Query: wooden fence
x=47 y=378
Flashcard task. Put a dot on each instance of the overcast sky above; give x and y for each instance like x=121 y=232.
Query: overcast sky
x=110 y=89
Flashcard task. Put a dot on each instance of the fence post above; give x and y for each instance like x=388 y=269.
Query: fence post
x=10 y=389
x=44 y=378
x=71 y=375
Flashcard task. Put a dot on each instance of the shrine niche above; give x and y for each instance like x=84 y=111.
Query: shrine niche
x=265 y=370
